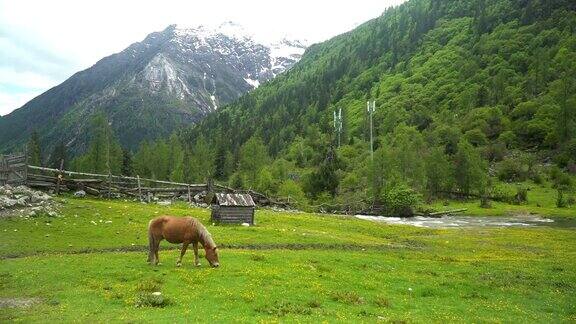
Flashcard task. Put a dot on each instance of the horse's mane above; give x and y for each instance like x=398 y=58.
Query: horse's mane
x=203 y=234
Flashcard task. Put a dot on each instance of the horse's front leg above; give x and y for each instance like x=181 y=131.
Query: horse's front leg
x=184 y=247
x=196 y=258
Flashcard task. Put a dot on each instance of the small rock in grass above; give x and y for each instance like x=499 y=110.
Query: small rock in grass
x=15 y=230
x=156 y=293
x=108 y=222
x=245 y=224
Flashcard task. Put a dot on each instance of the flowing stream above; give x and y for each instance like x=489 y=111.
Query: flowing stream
x=475 y=221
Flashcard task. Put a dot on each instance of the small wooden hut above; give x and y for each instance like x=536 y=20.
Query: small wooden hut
x=228 y=208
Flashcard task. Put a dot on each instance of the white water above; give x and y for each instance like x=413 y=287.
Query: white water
x=462 y=221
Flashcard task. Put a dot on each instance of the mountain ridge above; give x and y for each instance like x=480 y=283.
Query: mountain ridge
x=171 y=79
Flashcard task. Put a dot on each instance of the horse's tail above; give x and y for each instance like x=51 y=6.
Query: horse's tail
x=151 y=243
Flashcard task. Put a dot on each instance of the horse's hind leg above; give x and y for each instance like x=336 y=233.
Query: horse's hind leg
x=156 y=248
x=184 y=247
x=150 y=248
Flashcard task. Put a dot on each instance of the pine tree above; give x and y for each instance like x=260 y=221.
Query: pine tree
x=201 y=165
x=58 y=156
x=104 y=153
x=142 y=160
x=564 y=89
x=439 y=172
x=253 y=157
x=325 y=178
x=34 y=150
x=127 y=163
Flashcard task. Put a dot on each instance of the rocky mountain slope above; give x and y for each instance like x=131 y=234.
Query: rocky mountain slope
x=172 y=78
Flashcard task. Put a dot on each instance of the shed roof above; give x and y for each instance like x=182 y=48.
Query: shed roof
x=228 y=199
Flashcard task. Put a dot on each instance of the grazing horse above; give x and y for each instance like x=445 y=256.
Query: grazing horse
x=183 y=230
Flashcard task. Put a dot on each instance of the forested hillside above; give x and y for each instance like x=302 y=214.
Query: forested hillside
x=468 y=94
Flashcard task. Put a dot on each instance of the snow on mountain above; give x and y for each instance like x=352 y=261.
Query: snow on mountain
x=223 y=38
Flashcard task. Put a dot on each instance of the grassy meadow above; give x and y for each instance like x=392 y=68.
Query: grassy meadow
x=89 y=265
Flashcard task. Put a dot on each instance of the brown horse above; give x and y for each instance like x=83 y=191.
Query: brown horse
x=183 y=230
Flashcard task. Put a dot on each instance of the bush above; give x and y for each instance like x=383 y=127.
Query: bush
x=289 y=189
x=567 y=155
x=512 y=170
x=508 y=138
x=495 y=152
x=536 y=175
x=476 y=137
x=146 y=299
x=560 y=200
x=400 y=200
x=521 y=196
x=560 y=180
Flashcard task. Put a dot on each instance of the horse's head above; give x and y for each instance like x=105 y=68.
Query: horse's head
x=212 y=256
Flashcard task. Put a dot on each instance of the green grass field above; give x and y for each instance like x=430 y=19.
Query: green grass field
x=90 y=265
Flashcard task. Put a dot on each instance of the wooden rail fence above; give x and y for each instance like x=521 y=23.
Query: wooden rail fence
x=108 y=185
x=13 y=170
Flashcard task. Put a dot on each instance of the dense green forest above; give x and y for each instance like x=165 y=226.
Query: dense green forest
x=468 y=94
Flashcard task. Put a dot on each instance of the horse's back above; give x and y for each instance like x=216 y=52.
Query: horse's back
x=173 y=229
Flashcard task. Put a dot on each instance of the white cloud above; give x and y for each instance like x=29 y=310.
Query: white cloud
x=57 y=38
x=25 y=79
x=10 y=100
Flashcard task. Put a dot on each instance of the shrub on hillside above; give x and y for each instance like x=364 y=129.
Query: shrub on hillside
x=400 y=200
x=512 y=170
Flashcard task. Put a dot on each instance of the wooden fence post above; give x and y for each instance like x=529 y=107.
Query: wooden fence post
x=3 y=171
x=26 y=165
x=189 y=195
x=109 y=184
x=139 y=188
x=59 y=181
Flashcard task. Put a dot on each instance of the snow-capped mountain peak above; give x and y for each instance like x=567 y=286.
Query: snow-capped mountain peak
x=259 y=60
x=171 y=79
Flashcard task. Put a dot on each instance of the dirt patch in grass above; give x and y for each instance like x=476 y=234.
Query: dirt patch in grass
x=347 y=297
x=382 y=301
x=285 y=308
x=19 y=302
x=287 y=246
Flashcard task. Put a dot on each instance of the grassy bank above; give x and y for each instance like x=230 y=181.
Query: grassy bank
x=290 y=267
x=541 y=200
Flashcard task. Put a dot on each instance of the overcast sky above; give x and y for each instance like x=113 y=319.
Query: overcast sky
x=42 y=43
